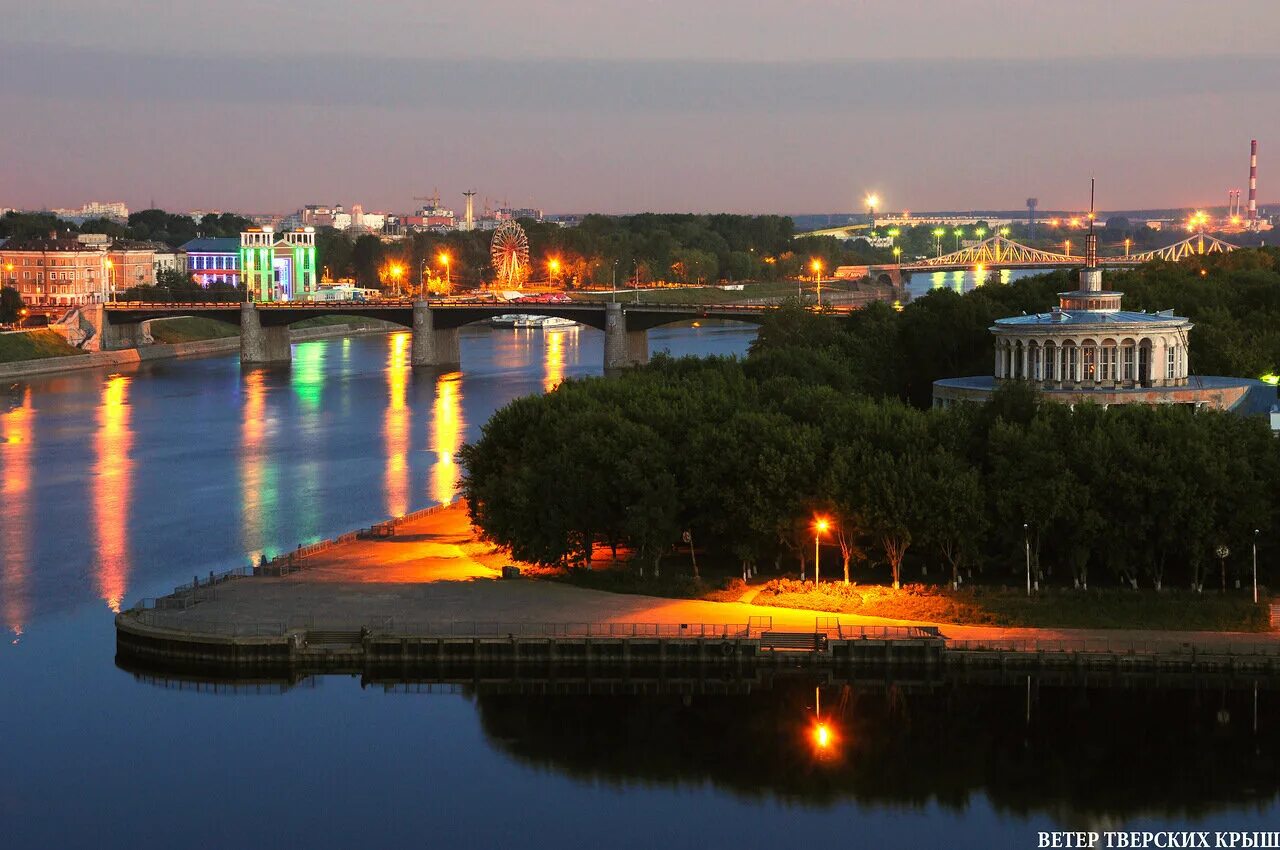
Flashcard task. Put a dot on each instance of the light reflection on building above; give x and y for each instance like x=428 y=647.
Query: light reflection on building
x=112 y=482
x=16 y=452
x=396 y=427
x=447 y=427
x=258 y=485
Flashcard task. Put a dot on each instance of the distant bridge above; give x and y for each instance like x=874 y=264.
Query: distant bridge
x=264 y=326
x=999 y=252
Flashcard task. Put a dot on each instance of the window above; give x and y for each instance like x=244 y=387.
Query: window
x=1073 y=358
x=1171 y=362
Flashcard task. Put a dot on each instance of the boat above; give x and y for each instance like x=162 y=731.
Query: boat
x=530 y=322
x=506 y=320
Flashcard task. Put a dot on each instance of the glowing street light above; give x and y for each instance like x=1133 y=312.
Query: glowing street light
x=938 y=233
x=1066 y=247
x=553 y=268
x=396 y=271
x=897 y=254
x=980 y=232
x=816 y=266
x=958 y=232
x=1004 y=232
x=820 y=526
x=873 y=201
x=1127 y=243
x=445 y=259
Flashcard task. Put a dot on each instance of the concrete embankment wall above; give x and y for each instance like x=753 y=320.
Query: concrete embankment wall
x=160 y=351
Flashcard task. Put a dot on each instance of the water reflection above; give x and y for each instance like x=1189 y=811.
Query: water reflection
x=559 y=345
x=962 y=280
x=258 y=485
x=396 y=427
x=447 y=427
x=111 y=485
x=16 y=429
x=1087 y=750
x=308 y=377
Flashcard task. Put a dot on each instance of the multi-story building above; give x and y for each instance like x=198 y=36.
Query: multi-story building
x=271 y=266
x=56 y=271
x=130 y=263
x=167 y=259
x=114 y=210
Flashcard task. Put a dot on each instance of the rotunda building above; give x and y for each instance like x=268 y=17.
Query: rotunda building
x=1090 y=349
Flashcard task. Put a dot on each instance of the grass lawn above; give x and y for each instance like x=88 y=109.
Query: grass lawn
x=329 y=321
x=34 y=345
x=1113 y=608
x=190 y=329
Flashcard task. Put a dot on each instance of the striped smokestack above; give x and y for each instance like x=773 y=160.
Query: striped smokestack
x=1253 y=181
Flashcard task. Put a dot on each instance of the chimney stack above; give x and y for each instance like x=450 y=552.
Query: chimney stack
x=1253 y=182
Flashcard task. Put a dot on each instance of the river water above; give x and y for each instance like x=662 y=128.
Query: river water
x=117 y=486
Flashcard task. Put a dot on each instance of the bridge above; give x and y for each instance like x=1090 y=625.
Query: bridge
x=264 y=326
x=999 y=252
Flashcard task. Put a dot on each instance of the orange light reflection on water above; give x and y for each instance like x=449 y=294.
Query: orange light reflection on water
x=396 y=427
x=112 y=482
x=446 y=436
x=257 y=474
x=557 y=344
x=15 y=450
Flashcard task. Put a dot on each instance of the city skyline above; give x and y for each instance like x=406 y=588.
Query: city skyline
x=732 y=109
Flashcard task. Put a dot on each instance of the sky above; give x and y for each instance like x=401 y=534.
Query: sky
x=618 y=106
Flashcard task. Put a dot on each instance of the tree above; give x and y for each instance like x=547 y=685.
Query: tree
x=11 y=305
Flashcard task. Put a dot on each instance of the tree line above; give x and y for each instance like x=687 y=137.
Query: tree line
x=818 y=421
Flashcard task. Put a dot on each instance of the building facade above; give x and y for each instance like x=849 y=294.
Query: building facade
x=271 y=266
x=58 y=271
x=1089 y=349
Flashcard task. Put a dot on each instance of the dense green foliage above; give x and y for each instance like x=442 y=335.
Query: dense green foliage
x=152 y=225
x=743 y=454
x=11 y=305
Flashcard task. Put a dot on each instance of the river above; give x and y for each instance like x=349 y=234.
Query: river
x=117 y=486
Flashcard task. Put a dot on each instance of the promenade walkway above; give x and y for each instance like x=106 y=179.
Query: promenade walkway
x=434 y=569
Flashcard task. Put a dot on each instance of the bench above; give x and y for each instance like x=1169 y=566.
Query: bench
x=792 y=641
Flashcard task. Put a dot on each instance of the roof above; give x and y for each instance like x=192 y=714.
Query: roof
x=1077 y=318
x=213 y=245
x=44 y=243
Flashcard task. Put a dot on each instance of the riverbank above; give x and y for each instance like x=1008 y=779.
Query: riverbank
x=164 y=351
x=427 y=582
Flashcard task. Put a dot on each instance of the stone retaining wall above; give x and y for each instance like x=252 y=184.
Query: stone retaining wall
x=224 y=345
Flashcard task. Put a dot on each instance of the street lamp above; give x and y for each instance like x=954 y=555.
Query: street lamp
x=980 y=232
x=1255 y=566
x=1127 y=243
x=448 y=279
x=1066 y=247
x=897 y=254
x=958 y=233
x=22 y=316
x=816 y=266
x=819 y=527
x=111 y=283
x=396 y=271
x=873 y=201
x=1026 y=542
x=938 y=233
x=553 y=267
x=1004 y=232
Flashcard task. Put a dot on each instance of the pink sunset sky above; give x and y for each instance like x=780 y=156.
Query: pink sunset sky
x=744 y=106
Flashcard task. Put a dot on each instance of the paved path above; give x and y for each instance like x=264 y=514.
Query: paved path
x=434 y=570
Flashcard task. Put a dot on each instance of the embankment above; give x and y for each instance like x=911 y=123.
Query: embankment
x=160 y=351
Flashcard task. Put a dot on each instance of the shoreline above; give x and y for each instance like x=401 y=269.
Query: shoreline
x=163 y=351
x=423 y=590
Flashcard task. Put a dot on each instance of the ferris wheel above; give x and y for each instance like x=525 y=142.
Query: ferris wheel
x=509 y=252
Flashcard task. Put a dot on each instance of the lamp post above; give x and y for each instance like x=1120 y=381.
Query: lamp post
x=958 y=232
x=897 y=254
x=111 y=283
x=1127 y=243
x=1026 y=542
x=816 y=265
x=448 y=274
x=553 y=268
x=1255 y=566
x=1066 y=247
x=819 y=527
x=22 y=316
x=938 y=233
x=613 y=287
x=873 y=201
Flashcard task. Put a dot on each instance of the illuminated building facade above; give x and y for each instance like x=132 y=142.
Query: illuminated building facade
x=55 y=271
x=270 y=266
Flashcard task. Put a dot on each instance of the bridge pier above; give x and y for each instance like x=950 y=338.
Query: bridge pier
x=622 y=348
x=432 y=346
x=259 y=345
x=112 y=336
